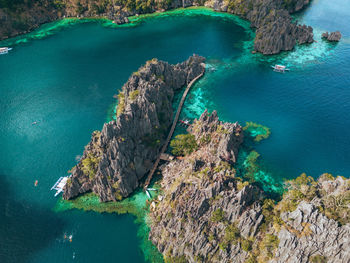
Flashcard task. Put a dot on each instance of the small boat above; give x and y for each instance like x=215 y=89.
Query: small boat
x=151 y=189
x=59 y=185
x=36 y=183
x=279 y=68
x=148 y=194
x=70 y=238
x=35 y=122
x=4 y=50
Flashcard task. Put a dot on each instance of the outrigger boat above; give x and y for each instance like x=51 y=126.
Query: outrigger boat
x=4 y=50
x=60 y=184
x=279 y=68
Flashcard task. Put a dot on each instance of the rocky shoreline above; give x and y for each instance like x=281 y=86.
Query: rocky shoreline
x=206 y=213
x=119 y=156
x=275 y=30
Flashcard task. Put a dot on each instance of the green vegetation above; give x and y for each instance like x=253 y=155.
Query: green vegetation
x=232 y=235
x=121 y=103
x=180 y=259
x=133 y=94
x=183 y=144
x=246 y=245
x=89 y=165
x=205 y=139
x=117 y=192
x=69 y=182
x=257 y=131
x=289 y=4
x=318 y=259
x=301 y=188
x=218 y=216
x=267 y=247
x=251 y=166
x=221 y=130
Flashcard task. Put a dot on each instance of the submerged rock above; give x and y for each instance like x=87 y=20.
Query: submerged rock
x=118 y=157
x=332 y=37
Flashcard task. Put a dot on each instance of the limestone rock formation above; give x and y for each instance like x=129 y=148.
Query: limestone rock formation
x=332 y=37
x=275 y=30
x=313 y=234
x=206 y=214
x=122 y=153
x=204 y=207
x=309 y=233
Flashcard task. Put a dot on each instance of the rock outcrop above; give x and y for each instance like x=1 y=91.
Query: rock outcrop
x=122 y=153
x=275 y=30
x=309 y=233
x=332 y=37
x=206 y=214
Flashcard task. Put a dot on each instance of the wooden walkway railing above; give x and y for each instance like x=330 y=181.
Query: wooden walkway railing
x=165 y=146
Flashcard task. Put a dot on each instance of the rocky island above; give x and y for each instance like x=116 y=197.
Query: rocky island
x=118 y=157
x=332 y=37
x=205 y=211
x=275 y=30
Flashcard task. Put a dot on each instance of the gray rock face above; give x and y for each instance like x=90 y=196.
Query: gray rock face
x=271 y=18
x=332 y=37
x=313 y=234
x=195 y=188
x=122 y=153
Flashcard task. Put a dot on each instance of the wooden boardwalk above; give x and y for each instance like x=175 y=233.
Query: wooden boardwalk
x=165 y=146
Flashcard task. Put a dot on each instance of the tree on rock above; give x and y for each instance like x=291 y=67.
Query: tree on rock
x=183 y=144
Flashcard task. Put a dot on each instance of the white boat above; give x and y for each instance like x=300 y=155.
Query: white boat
x=4 y=50
x=59 y=185
x=279 y=68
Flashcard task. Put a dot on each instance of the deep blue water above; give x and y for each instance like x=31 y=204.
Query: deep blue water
x=66 y=81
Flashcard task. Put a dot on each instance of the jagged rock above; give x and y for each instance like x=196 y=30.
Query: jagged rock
x=311 y=233
x=123 y=152
x=332 y=37
x=182 y=222
x=275 y=29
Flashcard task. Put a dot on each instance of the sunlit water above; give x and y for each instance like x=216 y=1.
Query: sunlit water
x=66 y=82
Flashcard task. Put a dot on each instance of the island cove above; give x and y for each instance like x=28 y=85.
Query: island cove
x=275 y=32
x=210 y=204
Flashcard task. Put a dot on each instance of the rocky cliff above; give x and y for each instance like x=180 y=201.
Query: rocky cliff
x=123 y=152
x=275 y=30
x=332 y=37
x=205 y=213
x=319 y=227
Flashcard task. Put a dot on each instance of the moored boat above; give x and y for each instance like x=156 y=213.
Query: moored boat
x=4 y=50
x=279 y=68
x=60 y=184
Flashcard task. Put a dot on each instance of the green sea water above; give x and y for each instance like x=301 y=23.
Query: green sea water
x=64 y=76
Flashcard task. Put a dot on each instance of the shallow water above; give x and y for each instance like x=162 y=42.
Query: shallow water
x=66 y=82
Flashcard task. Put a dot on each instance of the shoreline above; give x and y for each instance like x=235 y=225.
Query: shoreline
x=53 y=27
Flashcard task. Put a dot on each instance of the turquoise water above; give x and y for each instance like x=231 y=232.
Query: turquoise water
x=66 y=82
